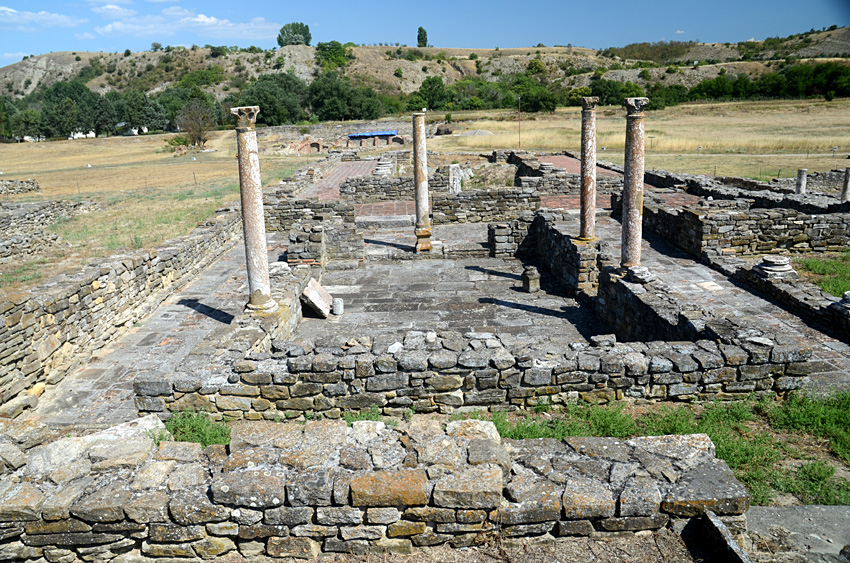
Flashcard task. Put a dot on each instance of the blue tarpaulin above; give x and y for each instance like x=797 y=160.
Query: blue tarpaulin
x=373 y=134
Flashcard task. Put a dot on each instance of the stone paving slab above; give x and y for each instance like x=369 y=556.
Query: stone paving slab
x=467 y=295
x=101 y=391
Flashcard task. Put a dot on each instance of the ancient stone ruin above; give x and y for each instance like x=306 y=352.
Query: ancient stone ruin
x=582 y=281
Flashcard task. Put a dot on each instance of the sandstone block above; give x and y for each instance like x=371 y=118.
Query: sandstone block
x=390 y=488
x=476 y=487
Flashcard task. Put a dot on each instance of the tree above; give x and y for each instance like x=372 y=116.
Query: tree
x=105 y=118
x=59 y=118
x=7 y=110
x=332 y=97
x=295 y=33
x=433 y=92
x=156 y=46
x=422 y=38
x=281 y=98
x=26 y=123
x=332 y=54
x=196 y=120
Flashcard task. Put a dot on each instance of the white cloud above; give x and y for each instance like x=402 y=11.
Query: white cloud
x=114 y=11
x=12 y=55
x=680 y=32
x=174 y=19
x=84 y=36
x=35 y=21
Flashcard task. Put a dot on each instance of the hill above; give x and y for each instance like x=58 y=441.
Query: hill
x=392 y=70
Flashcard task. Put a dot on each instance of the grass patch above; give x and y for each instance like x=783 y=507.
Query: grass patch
x=192 y=426
x=831 y=273
x=755 y=456
x=826 y=418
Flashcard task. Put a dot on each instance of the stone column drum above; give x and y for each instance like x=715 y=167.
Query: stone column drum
x=588 y=168
x=253 y=222
x=845 y=191
x=801 y=180
x=633 y=182
x=420 y=181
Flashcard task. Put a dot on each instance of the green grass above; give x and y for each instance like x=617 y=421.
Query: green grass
x=191 y=426
x=833 y=272
x=26 y=272
x=372 y=413
x=754 y=456
x=826 y=418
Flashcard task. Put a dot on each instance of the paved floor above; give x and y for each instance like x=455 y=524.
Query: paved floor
x=101 y=392
x=466 y=295
x=328 y=187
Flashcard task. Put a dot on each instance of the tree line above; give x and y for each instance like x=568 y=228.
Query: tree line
x=70 y=107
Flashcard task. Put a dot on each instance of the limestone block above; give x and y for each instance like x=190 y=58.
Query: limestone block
x=189 y=508
x=212 y=547
x=310 y=488
x=317 y=299
x=300 y=548
x=390 y=488
x=640 y=497
x=104 y=504
x=255 y=487
x=476 y=487
x=710 y=486
x=289 y=516
x=587 y=498
x=148 y=506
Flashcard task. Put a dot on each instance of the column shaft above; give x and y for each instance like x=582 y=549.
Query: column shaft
x=588 y=168
x=801 y=180
x=253 y=220
x=845 y=191
x=633 y=183
x=420 y=181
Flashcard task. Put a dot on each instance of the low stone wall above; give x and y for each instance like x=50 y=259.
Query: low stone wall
x=446 y=371
x=22 y=226
x=483 y=206
x=736 y=227
x=50 y=329
x=296 y=490
x=14 y=187
x=572 y=262
x=373 y=188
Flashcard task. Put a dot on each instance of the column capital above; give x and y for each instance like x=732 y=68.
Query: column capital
x=589 y=102
x=246 y=116
x=635 y=105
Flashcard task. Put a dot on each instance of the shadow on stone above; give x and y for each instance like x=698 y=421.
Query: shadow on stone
x=211 y=312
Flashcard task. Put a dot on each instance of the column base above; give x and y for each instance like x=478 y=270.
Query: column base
x=261 y=303
x=423 y=240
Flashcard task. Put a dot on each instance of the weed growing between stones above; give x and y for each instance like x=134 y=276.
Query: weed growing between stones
x=372 y=413
x=191 y=426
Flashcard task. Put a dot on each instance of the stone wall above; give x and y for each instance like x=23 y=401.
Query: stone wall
x=14 y=187
x=484 y=205
x=22 y=226
x=572 y=262
x=50 y=329
x=296 y=490
x=447 y=371
x=332 y=131
x=373 y=188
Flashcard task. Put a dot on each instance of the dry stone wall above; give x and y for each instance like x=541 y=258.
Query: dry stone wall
x=14 y=187
x=296 y=490
x=331 y=131
x=22 y=226
x=46 y=331
x=447 y=371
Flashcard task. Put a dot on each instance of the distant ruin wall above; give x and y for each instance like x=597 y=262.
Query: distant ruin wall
x=332 y=131
x=22 y=226
x=14 y=187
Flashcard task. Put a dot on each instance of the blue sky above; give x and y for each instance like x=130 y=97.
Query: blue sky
x=35 y=27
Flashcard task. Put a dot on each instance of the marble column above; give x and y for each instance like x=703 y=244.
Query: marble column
x=588 y=168
x=253 y=221
x=420 y=181
x=633 y=169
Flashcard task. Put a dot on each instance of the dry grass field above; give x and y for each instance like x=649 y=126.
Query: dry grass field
x=753 y=139
x=146 y=195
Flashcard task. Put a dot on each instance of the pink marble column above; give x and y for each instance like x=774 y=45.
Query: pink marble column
x=588 y=168
x=633 y=182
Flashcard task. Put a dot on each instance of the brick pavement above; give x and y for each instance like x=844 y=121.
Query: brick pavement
x=328 y=187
